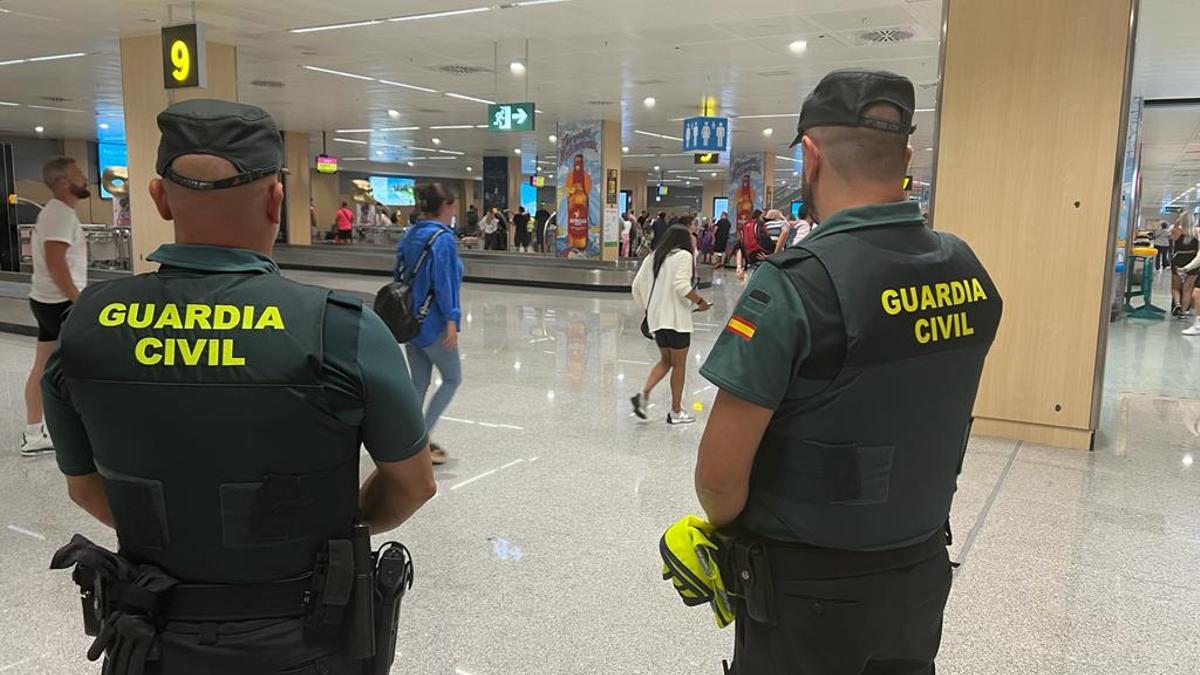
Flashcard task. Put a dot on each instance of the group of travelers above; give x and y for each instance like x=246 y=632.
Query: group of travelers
x=530 y=232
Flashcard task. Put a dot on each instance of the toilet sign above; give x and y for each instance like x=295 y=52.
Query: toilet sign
x=706 y=134
x=184 y=57
x=511 y=117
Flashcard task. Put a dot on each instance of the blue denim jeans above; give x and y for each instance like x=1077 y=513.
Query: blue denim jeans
x=421 y=362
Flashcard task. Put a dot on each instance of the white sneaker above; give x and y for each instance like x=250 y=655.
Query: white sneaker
x=37 y=444
x=1193 y=331
x=680 y=418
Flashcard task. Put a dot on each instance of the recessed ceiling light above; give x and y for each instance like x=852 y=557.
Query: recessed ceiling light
x=104 y=125
x=516 y=151
x=768 y=132
x=553 y=138
x=517 y=68
x=931 y=150
x=470 y=169
x=39 y=128
x=649 y=102
x=795 y=173
x=410 y=164
x=437 y=141
x=625 y=148
x=798 y=47
x=379 y=153
x=394 y=114
x=657 y=168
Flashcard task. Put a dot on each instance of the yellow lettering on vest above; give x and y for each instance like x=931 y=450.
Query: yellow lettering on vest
x=922 y=331
x=927 y=301
x=112 y=315
x=169 y=318
x=891 y=302
x=908 y=297
x=190 y=351
x=225 y=317
x=214 y=354
x=142 y=321
x=248 y=317
x=169 y=352
x=197 y=317
x=271 y=318
x=977 y=293
x=943 y=328
x=967 y=330
x=943 y=295
x=958 y=292
x=228 y=358
x=141 y=351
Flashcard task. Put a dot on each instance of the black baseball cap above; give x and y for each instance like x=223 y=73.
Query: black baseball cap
x=841 y=97
x=245 y=135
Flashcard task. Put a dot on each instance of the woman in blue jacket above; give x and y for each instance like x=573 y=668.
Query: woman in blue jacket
x=438 y=282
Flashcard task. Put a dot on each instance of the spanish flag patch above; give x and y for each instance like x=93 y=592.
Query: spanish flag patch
x=741 y=328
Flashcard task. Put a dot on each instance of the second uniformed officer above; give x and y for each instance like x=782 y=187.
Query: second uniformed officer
x=847 y=377
x=212 y=412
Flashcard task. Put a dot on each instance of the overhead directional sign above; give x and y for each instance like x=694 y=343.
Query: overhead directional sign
x=184 y=56
x=706 y=134
x=511 y=117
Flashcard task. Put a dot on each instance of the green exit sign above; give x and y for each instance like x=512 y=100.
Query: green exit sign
x=511 y=117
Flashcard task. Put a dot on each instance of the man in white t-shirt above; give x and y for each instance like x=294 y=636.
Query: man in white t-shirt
x=59 y=274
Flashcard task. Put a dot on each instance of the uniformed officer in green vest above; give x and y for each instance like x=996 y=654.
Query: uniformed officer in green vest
x=847 y=376
x=213 y=414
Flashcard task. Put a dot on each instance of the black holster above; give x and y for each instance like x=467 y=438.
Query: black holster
x=746 y=570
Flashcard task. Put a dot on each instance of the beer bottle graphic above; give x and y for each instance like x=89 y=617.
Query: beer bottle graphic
x=579 y=187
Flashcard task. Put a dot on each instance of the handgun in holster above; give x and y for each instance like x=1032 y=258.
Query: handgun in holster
x=751 y=571
x=341 y=599
x=393 y=577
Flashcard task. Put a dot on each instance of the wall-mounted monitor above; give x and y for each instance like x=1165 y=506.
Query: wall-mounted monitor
x=110 y=154
x=720 y=205
x=327 y=164
x=393 y=191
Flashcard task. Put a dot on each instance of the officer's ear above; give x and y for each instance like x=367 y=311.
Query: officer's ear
x=158 y=193
x=812 y=158
x=275 y=203
x=908 y=152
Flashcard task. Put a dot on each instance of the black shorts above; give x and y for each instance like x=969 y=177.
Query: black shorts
x=670 y=339
x=49 y=318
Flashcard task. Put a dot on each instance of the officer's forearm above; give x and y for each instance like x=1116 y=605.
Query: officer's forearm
x=88 y=493
x=395 y=491
x=721 y=508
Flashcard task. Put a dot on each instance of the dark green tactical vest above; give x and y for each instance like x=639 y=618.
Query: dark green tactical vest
x=220 y=455
x=870 y=460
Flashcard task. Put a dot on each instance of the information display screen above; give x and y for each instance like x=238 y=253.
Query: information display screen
x=720 y=205
x=393 y=191
x=327 y=164
x=110 y=154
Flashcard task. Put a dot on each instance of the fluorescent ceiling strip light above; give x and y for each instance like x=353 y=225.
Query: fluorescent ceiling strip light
x=400 y=129
x=9 y=103
x=339 y=72
x=470 y=98
x=56 y=57
x=350 y=140
x=789 y=159
x=452 y=152
x=423 y=149
x=354 y=159
x=409 y=86
x=438 y=15
x=336 y=26
x=639 y=156
x=481 y=126
x=924 y=110
x=50 y=107
x=766 y=117
x=353 y=131
x=455 y=126
x=534 y=3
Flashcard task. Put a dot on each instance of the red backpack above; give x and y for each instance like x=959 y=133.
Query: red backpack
x=752 y=241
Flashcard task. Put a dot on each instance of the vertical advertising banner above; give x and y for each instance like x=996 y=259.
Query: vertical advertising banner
x=746 y=185
x=495 y=183
x=580 y=186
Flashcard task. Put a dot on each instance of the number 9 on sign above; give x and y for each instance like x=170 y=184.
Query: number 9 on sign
x=181 y=58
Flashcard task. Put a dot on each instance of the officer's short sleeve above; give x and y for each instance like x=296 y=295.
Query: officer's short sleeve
x=72 y=447
x=764 y=342
x=393 y=428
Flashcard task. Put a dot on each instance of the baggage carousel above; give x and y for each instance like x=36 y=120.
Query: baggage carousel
x=484 y=267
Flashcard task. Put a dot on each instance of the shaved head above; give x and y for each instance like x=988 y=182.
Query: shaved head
x=246 y=216
x=862 y=153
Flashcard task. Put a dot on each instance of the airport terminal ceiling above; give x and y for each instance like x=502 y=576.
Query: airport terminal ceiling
x=587 y=59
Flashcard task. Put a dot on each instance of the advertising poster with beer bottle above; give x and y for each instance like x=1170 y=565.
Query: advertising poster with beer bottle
x=580 y=184
x=746 y=185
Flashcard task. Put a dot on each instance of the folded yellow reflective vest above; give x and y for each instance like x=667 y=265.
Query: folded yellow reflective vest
x=689 y=551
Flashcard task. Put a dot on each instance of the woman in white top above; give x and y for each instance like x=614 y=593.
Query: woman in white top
x=663 y=287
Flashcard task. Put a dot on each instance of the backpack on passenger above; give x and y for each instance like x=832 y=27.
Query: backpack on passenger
x=394 y=302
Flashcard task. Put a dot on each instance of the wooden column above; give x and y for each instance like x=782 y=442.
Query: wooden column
x=610 y=159
x=299 y=188
x=144 y=98
x=635 y=181
x=712 y=189
x=1033 y=106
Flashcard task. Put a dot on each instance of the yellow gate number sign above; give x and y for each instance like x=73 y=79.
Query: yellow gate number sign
x=183 y=56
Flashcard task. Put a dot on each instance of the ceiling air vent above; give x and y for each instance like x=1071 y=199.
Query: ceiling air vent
x=885 y=36
x=460 y=69
x=268 y=84
x=430 y=111
x=774 y=73
x=597 y=101
x=646 y=83
x=55 y=99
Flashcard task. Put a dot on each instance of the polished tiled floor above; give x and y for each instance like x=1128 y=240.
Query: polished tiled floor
x=539 y=554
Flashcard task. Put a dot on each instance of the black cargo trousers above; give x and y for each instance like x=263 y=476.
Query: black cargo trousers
x=266 y=647
x=877 y=622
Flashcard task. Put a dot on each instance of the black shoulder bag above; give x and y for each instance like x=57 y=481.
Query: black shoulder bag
x=394 y=302
x=646 y=332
